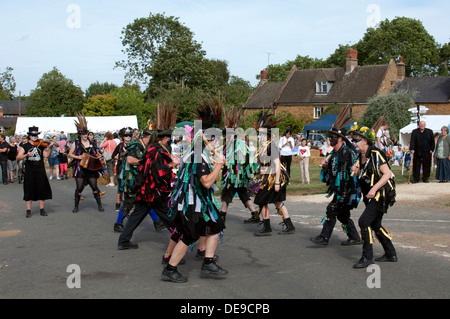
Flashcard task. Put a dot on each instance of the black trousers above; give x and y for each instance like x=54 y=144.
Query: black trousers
x=370 y=220
x=4 y=165
x=141 y=210
x=286 y=161
x=343 y=215
x=421 y=159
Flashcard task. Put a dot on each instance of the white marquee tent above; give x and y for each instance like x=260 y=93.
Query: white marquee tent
x=96 y=124
x=434 y=122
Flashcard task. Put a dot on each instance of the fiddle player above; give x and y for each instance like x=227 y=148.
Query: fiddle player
x=84 y=146
x=36 y=186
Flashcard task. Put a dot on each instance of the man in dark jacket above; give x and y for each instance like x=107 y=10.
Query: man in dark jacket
x=422 y=147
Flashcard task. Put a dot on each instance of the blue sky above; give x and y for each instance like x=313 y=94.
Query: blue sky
x=83 y=43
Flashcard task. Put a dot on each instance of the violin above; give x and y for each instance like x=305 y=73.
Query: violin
x=41 y=142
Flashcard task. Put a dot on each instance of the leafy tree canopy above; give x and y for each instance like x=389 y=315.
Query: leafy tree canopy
x=54 y=96
x=402 y=36
x=394 y=106
x=7 y=84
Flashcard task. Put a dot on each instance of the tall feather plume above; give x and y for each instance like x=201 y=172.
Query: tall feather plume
x=166 y=117
x=378 y=123
x=210 y=112
x=343 y=119
x=82 y=122
x=265 y=120
x=233 y=117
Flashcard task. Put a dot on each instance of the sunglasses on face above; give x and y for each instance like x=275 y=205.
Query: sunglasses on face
x=357 y=140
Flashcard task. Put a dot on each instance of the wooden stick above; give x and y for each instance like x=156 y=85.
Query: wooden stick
x=213 y=149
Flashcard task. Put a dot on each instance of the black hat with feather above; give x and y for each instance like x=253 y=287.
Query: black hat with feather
x=342 y=120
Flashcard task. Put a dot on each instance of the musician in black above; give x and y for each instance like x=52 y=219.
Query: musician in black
x=86 y=164
x=35 y=186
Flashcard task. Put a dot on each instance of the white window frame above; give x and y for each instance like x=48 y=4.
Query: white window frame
x=323 y=87
x=318 y=111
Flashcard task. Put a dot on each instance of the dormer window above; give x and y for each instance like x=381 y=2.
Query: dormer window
x=323 y=87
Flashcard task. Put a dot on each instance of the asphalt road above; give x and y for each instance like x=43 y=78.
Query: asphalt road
x=35 y=254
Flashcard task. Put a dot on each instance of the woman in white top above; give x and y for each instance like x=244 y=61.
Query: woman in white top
x=286 y=145
x=304 y=154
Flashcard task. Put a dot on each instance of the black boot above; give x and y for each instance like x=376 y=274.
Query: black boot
x=352 y=233
x=253 y=220
x=99 y=201
x=267 y=230
x=77 y=203
x=385 y=240
x=118 y=227
x=200 y=255
x=367 y=255
x=319 y=240
x=288 y=227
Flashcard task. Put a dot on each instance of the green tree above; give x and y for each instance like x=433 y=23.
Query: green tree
x=98 y=88
x=404 y=37
x=55 y=95
x=100 y=105
x=394 y=106
x=7 y=84
x=131 y=101
x=236 y=91
x=161 y=50
x=444 y=53
x=279 y=72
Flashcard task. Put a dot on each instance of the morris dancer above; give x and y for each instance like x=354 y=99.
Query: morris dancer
x=35 y=186
x=337 y=174
x=127 y=179
x=240 y=171
x=153 y=181
x=272 y=178
x=85 y=146
x=194 y=207
x=378 y=187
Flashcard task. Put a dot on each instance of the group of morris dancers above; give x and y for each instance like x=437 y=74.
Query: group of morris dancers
x=185 y=203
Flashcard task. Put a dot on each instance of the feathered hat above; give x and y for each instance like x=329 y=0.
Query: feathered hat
x=81 y=124
x=342 y=120
x=367 y=133
x=266 y=120
x=210 y=112
x=165 y=119
x=233 y=117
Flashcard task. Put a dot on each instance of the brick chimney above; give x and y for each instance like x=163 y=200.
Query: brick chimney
x=264 y=76
x=401 y=69
x=1 y=111
x=352 y=60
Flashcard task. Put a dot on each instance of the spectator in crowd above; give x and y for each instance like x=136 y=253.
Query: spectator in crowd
x=63 y=161
x=381 y=143
x=304 y=154
x=443 y=156
x=12 y=161
x=4 y=148
x=109 y=145
x=53 y=160
x=286 y=145
x=407 y=158
x=422 y=147
x=398 y=155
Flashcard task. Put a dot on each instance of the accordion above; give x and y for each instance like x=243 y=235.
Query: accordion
x=92 y=163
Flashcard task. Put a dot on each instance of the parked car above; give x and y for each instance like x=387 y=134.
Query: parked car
x=315 y=137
